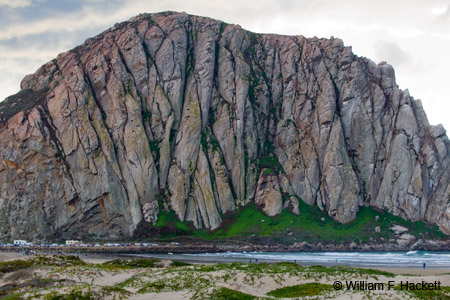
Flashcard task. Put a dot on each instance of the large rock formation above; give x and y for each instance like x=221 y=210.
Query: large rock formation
x=172 y=111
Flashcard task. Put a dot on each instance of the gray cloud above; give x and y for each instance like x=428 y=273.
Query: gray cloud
x=391 y=53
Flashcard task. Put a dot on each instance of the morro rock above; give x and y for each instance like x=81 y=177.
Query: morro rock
x=173 y=111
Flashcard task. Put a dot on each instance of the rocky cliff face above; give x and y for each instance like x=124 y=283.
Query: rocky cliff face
x=172 y=111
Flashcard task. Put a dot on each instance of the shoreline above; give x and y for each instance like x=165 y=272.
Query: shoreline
x=101 y=257
x=417 y=268
x=192 y=247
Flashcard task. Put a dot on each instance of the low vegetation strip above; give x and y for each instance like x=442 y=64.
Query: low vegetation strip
x=440 y=294
x=229 y=294
x=312 y=225
x=301 y=290
x=39 y=260
x=131 y=263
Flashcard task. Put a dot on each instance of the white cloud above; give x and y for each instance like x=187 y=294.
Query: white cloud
x=439 y=10
x=18 y=3
x=15 y=3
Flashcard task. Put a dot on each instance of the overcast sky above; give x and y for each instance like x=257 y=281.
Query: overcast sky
x=413 y=35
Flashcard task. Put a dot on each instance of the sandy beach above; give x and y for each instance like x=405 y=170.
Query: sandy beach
x=99 y=258
x=166 y=280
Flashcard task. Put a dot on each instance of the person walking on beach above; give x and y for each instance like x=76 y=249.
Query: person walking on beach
x=424 y=265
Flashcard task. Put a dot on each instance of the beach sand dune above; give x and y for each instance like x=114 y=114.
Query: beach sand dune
x=171 y=281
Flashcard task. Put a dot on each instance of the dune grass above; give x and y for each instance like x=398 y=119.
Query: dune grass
x=301 y=290
x=224 y=293
x=130 y=263
x=439 y=294
x=38 y=260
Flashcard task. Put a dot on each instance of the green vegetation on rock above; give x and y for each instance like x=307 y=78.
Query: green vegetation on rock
x=312 y=225
x=170 y=224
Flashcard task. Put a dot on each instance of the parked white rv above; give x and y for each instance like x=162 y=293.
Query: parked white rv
x=20 y=242
x=72 y=242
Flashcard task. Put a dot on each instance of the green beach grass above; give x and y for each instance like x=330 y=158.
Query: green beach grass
x=301 y=290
